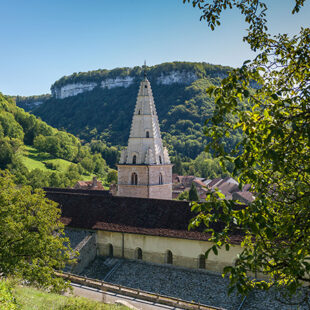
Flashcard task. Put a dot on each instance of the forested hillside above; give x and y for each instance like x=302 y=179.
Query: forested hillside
x=105 y=113
x=24 y=140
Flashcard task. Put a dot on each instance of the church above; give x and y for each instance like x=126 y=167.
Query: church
x=145 y=170
x=141 y=221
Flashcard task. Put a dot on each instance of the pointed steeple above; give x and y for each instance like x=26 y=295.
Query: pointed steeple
x=145 y=143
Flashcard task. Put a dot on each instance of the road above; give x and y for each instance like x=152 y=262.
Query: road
x=112 y=298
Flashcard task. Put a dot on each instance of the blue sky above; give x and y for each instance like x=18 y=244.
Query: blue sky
x=43 y=40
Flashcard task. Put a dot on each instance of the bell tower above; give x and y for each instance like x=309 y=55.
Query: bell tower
x=144 y=169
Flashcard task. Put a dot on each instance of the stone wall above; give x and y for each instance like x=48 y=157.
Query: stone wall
x=185 y=253
x=148 y=181
x=84 y=242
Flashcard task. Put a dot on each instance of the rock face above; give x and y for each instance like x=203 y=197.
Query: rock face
x=177 y=77
x=73 y=89
x=117 y=82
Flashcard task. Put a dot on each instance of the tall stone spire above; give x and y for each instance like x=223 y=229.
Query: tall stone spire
x=144 y=169
x=145 y=144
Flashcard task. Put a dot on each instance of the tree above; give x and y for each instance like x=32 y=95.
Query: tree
x=112 y=176
x=32 y=242
x=192 y=194
x=184 y=195
x=273 y=155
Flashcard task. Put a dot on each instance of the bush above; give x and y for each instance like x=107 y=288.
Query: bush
x=51 y=165
x=7 y=299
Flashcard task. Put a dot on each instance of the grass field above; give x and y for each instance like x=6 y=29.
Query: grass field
x=33 y=299
x=33 y=159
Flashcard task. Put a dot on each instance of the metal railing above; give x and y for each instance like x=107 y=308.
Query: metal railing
x=135 y=293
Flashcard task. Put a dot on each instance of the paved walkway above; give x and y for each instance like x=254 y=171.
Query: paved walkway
x=112 y=298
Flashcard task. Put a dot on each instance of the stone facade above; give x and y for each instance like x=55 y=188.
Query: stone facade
x=145 y=170
x=154 y=249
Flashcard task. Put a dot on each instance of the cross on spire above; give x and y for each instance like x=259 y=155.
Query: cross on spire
x=144 y=69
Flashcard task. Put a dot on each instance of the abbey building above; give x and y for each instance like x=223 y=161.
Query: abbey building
x=145 y=169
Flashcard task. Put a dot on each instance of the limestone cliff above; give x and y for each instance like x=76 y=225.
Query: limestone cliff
x=165 y=74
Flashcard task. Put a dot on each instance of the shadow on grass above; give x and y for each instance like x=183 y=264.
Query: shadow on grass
x=39 y=156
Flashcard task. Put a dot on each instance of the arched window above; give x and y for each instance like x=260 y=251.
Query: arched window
x=202 y=261
x=110 y=250
x=160 y=178
x=134 y=159
x=147 y=134
x=134 y=179
x=169 y=257
x=160 y=160
x=138 y=253
x=139 y=112
x=145 y=86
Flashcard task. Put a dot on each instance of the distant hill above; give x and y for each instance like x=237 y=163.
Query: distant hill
x=30 y=102
x=99 y=104
x=40 y=155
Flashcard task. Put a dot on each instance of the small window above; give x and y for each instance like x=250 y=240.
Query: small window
x=139 y=112
x=160 y=178
x=201 y=261
x=134 y=179
x=160 y=160
x=138 y=253
x=169 y=257
x=147 y=134
x=145 y=86
x=134 y=159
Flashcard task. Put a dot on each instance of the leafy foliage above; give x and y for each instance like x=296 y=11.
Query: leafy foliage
x=275 y=152
x=32 y=239
x=7 y=299
x=192 y=194
x=18 y=128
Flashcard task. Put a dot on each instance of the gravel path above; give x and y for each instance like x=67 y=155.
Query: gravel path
x=208 y=288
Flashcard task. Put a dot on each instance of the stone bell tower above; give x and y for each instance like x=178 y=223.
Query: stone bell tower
x=144 y=169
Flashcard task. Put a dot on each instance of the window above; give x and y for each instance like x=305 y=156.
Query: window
x=134 y=179
x=110 y=250
x=169 y=257
x=138 y=253
x=139 y=112
x=201 y=261
x=145 y=86
x=147 y=134
x=134 y=159
x=160 y=160
x=160 y=178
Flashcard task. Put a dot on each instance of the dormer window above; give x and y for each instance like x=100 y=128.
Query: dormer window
x=147 y=134
x=134 y=159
